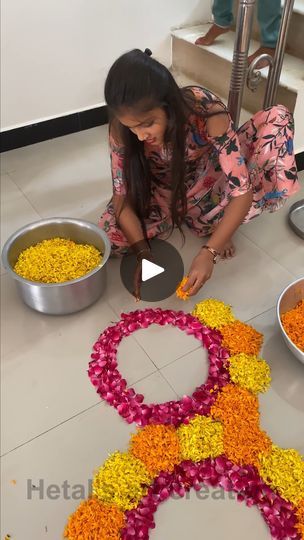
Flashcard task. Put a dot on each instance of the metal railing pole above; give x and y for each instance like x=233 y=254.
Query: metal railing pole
x=240 y=56
x=274 y=77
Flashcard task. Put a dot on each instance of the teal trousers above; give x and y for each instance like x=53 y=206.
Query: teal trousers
x=269 y=18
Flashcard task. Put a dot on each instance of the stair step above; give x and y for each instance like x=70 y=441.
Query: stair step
x=295 y=42
x=293 y=68
x=298 y=6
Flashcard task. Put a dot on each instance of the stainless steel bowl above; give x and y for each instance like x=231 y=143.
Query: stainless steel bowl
x=288 y=300
x=59 y=298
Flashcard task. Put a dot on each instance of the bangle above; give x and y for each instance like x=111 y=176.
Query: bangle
x=213 y=252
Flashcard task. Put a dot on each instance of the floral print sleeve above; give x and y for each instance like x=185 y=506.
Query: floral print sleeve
x=117 y=166
x=227 y=150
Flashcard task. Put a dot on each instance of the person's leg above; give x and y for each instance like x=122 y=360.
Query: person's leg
x=267 y=145
x=155 y=226
x=223 y=18
x=269 y=19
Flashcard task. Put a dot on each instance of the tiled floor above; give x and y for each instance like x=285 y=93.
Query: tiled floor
x=54 y=427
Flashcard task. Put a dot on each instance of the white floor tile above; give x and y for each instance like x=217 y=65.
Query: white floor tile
x=69 y=176
x=272 y=233
x=164 y=344
x=16 y=211
x=71 y=453
x=156 y=389
x=210 y=513
x=188 y=372
x=44 y=366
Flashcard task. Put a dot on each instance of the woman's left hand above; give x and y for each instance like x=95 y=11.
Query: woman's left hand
x=200 y=271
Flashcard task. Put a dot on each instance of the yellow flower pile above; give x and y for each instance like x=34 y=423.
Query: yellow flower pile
x=57 y=260
x=201 y=438
x=122 y=480
x=249 y=372
x=283 y=470
x=213 y=313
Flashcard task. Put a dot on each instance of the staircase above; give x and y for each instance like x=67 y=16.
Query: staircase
x=211 y=67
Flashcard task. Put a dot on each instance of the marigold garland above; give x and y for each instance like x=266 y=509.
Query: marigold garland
x=213 y=313
x=157 y=446
x=238 y=409
x=246 y=461
x=179 y=291
x=201 y=438
x=122 y=480
x=283 y=470
x=239 y=337
x=249 y=372
x=95 y=521
x=293 y=322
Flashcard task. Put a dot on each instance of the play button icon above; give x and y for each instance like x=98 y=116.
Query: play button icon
x=160 y=277
x=150 y=270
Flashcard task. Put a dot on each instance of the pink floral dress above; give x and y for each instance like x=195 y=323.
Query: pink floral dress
x=258 y=156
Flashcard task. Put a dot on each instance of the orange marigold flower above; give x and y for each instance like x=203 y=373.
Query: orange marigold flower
x=293 y=322
x=95 y=521
x=238 y=410
x=180 y=293
x=300 y=517
x=239 y=337
x=157 y=446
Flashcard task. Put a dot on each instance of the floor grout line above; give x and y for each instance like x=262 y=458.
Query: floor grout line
x=50 y=429
x=264 y=251
x=100 y=402
x=180 y=357
x=172 y=388
x=259 y=315
x=24 y=195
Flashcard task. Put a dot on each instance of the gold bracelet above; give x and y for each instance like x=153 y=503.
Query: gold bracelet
x=213 y=252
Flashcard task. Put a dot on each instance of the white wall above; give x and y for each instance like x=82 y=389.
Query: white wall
x=56 y=53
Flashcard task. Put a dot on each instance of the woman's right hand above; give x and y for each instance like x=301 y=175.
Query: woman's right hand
x=145 y=254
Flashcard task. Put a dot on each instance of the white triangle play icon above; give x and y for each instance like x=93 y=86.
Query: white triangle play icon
x=150 y=270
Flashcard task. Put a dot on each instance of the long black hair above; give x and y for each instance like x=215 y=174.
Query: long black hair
x=139 y=82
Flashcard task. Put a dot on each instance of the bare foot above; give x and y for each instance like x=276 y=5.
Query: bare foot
x=262 y=63
x=229 y=250
x=213 y=33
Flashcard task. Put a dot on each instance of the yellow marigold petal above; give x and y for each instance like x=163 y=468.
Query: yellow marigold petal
x=239 y=337
x=249 y=372
x=237 y=409
x=201 y=438
x=122 y=480
x=57 y=260
x=180 y=293
x=95 y=521
x=157 y=446
x=213 y=313
x=283 y=471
